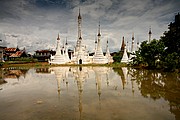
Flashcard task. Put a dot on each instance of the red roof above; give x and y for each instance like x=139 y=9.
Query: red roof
x=17 y=54
x=10 y=49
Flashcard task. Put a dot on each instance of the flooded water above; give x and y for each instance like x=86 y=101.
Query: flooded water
x=88 y=93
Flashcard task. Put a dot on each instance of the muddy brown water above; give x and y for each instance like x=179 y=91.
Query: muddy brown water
x=88 y=93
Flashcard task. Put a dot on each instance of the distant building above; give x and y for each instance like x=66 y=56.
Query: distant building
x=43 y=55
x=2 y=53
x=9 y=52
x=2 y=47
x=18 y=54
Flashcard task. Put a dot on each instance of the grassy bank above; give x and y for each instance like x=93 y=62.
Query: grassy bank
x=46 y=64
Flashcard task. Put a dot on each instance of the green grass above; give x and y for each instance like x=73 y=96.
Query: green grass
x=46 y=64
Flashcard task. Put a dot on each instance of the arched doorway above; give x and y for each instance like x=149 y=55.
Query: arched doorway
x=80 y=61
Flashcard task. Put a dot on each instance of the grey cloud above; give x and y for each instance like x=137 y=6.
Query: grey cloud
x=39 y=21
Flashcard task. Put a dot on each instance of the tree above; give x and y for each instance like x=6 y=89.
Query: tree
x=171 y=40
x=150 y=53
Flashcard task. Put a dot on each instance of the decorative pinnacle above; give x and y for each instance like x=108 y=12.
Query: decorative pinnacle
x=66 y=41
x=79 y=17
x=58 y=38
x=99 y=34
x=95 y=39
x=107 y=42
x=150 y=30
x=133 y=36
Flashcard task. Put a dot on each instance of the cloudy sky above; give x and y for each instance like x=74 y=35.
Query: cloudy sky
x=35 y=24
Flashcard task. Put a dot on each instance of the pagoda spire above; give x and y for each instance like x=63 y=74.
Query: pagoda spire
x=95 y=44
x=79 y=30
x=99 y=34
x=132 y=47
x=79 y=17
x=125 y=56
x=123 y=44
x=58 y=38
x=66 y=42
x=107 y=49
x=150 y=33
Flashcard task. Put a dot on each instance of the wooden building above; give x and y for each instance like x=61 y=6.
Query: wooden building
x=43 y=55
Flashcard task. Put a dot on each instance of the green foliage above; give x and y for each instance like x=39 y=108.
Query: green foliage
x=163 y=53
x=149 y=53
x=171 y=61
x=118 y=56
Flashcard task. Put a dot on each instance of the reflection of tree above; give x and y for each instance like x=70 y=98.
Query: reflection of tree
x=2 y=81
x=15 y=72
x=158 y=85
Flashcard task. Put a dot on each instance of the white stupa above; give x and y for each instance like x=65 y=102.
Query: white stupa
x=80 y=55
x=108 y=55
x=66 y=52
x=132 y=53
x=99 y=58
x=125 y=56
x=59 y=57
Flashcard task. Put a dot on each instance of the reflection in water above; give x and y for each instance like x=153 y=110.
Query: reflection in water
x=12 y=73
x=142 y=89
x=157 y=85
x=80 y=76
x=61 y=74
x=15 y=72
x=2 y=81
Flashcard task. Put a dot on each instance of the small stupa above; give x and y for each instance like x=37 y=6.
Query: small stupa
x=99 y=58
x=59 y=57
x=108 y=55
x=132 y=52
x=125 y=56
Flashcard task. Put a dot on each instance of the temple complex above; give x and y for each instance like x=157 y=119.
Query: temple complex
x=80 y=54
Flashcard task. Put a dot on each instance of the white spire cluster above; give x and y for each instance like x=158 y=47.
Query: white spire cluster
x=80 y=54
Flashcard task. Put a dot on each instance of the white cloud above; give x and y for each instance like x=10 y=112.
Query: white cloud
x=37 y=27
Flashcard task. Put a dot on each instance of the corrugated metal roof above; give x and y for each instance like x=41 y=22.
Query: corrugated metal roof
x=10 y=49
x=17 y=54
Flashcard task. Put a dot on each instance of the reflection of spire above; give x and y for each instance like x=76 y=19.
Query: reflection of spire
x=60 y=73
x=80 y=75
x=107 y=79
x=124 y=76
x=80 y=103
x=98 y=83
x=132 y=82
